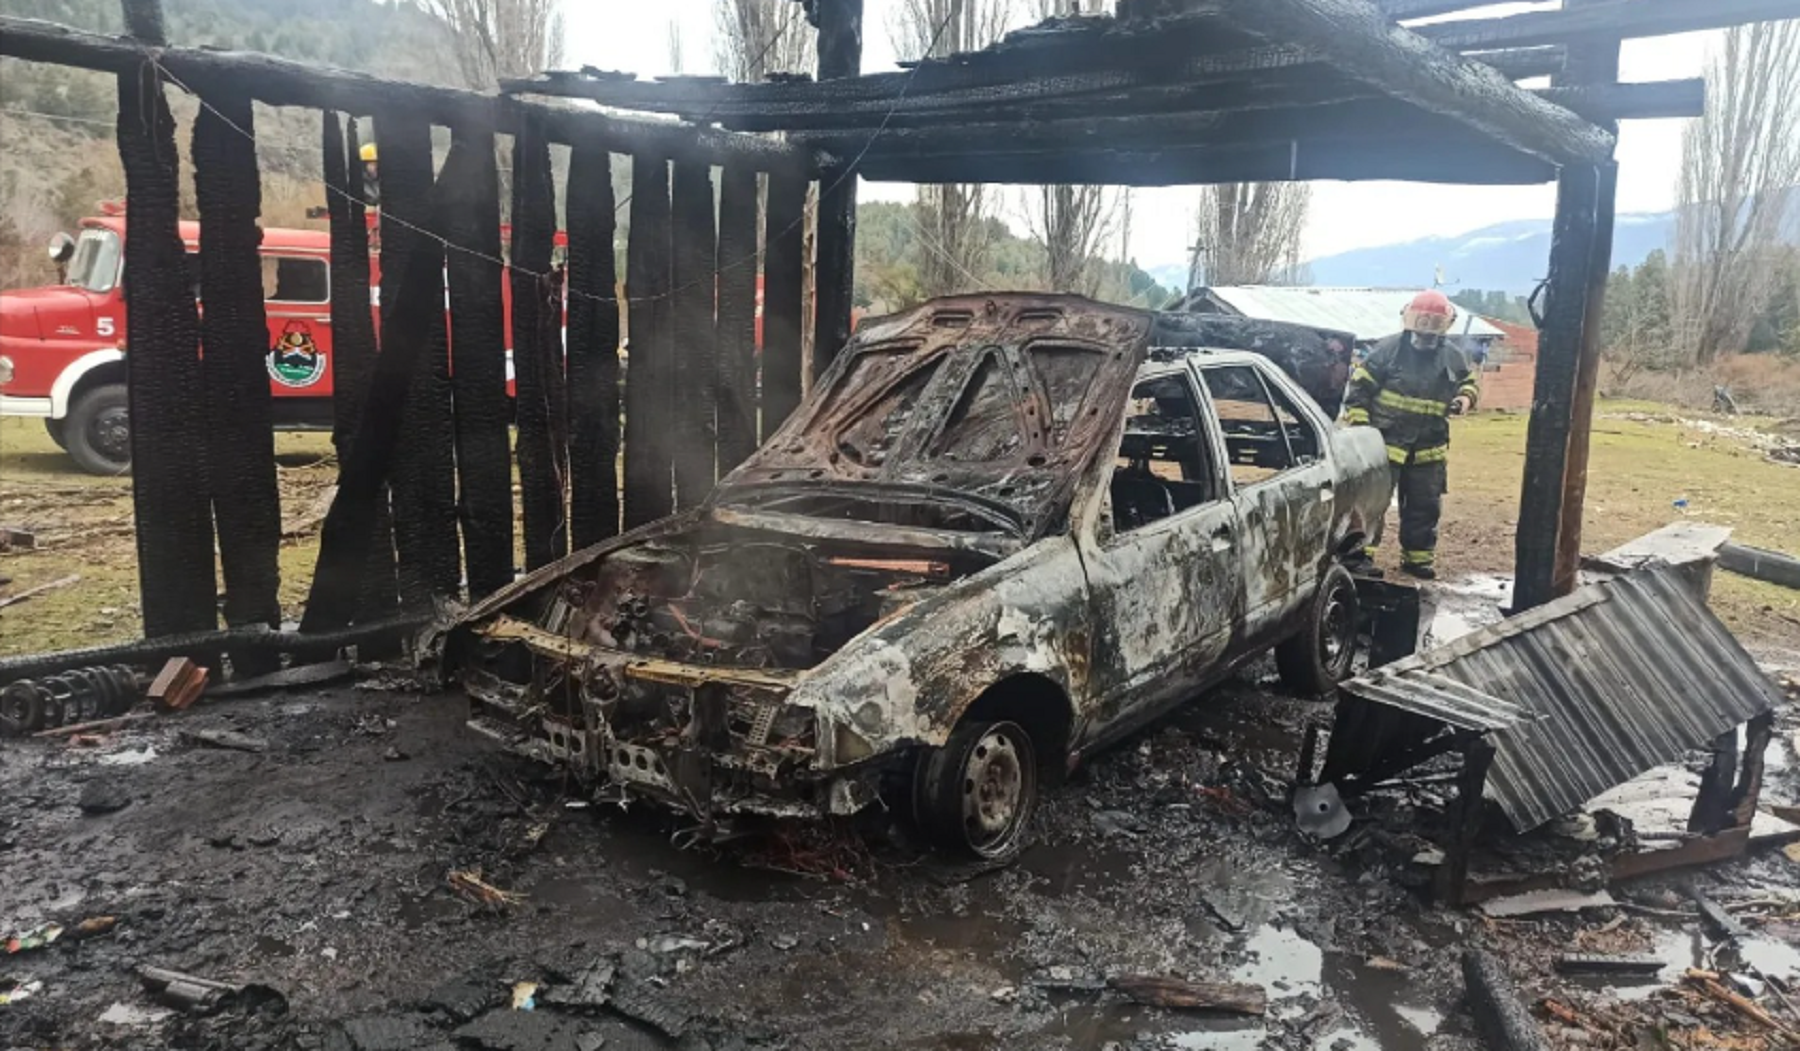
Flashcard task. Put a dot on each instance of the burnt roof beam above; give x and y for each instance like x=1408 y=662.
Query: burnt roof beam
x=1619 y=19
x=1360 y=41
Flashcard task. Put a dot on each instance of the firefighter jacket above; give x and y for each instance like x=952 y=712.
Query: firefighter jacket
x=1406 y=391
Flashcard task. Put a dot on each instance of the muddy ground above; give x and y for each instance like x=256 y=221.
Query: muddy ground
x=317 y=870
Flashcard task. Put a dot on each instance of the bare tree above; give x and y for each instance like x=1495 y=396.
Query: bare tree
x=953 y=217
x=502 y=38
x=1072 y=223
x=1740 y=165
x=1249 y=233
x=677 y=52
x=754 y=38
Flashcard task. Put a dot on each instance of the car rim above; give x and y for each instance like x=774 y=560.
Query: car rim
x=1335 y=640
x=110 y=434
x=994 y=792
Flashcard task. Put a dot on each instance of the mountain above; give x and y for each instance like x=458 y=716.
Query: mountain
x=1509 y=256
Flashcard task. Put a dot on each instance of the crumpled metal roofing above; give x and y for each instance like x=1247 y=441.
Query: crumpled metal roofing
x=1368 y=313
x=1584 y=693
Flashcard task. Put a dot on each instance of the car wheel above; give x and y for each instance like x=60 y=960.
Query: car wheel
x=976 y=794
x=1318 y=657
x=55 y=428
x=98 y=431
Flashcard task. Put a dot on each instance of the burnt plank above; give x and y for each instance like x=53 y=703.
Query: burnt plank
x=736 y=363
x=1501 y=1015
x=424 y=477
x=649 y=492
x=478 y=368
x=1615 y=19
x=240 y=451
x=533 y=232
x=170 y=505
x=783 y=275
x=593 y=348
x=694 y=300
x=834 y=272
x=413 y=311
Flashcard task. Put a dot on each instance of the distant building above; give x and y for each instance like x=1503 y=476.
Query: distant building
x=1508 y=375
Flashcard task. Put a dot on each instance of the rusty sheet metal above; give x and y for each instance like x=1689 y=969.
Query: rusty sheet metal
x=1584 y=693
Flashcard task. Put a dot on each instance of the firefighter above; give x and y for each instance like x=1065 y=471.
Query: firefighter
x=371 y=180
x=1408 y=388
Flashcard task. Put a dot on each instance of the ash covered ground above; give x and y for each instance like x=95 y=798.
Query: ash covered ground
x=316 y=872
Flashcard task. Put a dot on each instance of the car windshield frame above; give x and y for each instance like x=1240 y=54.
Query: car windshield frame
x=99 y=254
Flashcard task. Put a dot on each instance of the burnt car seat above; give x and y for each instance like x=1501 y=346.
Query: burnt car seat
x=1139 y=497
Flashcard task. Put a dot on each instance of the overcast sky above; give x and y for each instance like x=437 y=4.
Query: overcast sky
x=635 y=36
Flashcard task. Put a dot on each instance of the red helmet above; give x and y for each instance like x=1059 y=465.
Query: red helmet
x=1429 y=313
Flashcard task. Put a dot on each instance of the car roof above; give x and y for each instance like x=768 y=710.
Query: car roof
x=1205 y=356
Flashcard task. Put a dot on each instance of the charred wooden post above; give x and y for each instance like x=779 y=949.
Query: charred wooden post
x=593 y=348
x=534 y=233
x=834 y=276
x=1559 y=351
x=1745 y=795
x=478 y=368
x=353 y=345
x=737 y=317
x=240 y=452
x=1501 y=1015
x=693 y=299
x=649 y=488
x=1591 y=63
x=1465 y=818
x=784 y=273
x=168 y=442
x=1714 y=802
x=413 y=309
x=424 y=477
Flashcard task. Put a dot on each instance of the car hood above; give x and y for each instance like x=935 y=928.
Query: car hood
x=36 y=313
x=995 y=402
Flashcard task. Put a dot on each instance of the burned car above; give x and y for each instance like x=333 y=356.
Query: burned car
x=1001 y=531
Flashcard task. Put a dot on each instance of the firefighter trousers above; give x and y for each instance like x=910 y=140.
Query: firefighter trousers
x=1420 y=487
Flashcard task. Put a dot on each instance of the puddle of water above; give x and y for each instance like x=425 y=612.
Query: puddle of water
x=1773 y=958
x=269 y=946
x=1284 y=963
x=1220 y=1039
x=1423 y=1019
x=1059 y=871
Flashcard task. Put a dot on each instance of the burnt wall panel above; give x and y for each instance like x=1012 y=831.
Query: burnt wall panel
x=736 y=363
x=593 y=348
x=535 y=314
x=167 y=426
x=353 y=344
x=235 y=363
x=478 y=368
x=649 y=492
x=424 y=476
x=783 y=274
x=696 y=384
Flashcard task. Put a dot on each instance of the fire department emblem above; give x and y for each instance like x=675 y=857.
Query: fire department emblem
x=295 y=360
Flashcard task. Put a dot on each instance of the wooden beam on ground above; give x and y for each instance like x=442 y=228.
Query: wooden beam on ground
x=593 y=353
x=1770 y=566
x=283 y=82
x=694 y=301
x=169 y=498
x=1613 y=19
x=240 y=438
x=649 y=487
x=478 y=369
x=534 y=296
x=1358 y=40
x=783 y=275
x=834 y=273
x=737 y=323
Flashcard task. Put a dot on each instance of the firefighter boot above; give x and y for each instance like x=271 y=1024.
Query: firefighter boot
x=1421 y=486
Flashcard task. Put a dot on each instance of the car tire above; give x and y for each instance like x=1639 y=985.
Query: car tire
x=1318 y=657
x=98 y=431
x=977 y=794
x=56 y=429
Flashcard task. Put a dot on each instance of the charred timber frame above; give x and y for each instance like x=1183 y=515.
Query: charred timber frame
x=834 y=276
x=784 y=275
x=693 y=299
x=736 y=361
x=593 y=353
x=649 y=486
x=536 y=363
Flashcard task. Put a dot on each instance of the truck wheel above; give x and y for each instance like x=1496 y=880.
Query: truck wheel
x=1316 y=658
x=56 y=431
x=98 y=431
x=976 y=794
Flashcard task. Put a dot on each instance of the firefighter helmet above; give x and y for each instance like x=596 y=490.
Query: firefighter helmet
x=368 y=153
x=1429 y=314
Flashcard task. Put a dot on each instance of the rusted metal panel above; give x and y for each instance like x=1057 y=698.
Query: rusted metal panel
x=593 y=352
x=1584 y=693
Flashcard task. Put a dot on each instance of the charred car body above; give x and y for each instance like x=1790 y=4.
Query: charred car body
x=1001 y=531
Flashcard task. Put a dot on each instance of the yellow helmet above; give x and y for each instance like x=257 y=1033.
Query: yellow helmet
x=368 y=152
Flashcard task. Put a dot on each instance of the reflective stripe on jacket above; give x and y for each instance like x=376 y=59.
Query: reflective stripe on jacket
x=1406 y=391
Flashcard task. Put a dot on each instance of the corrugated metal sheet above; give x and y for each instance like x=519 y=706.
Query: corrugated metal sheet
x=1369 y=313
x=1584 y=693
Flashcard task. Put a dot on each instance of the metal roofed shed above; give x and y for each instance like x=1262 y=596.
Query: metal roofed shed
x=1368 y=313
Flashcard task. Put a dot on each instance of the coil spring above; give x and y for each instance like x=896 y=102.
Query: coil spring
x=77 y=696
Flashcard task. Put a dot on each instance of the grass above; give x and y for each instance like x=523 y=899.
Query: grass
x=1640 y=469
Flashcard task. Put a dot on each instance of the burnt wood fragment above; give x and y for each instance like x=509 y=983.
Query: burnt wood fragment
x=649 y=487
x=693 y=301
x=235 y=330
x=783 y=275
x=1612 y=19
x=170 y=503
x=834 y=273
x=1219 y=997
x=424 y=475
x=478 y=369
x=593 y=349
x=534 y=297
x=1592 y=963
x=1501 y=1017
x=736 y=361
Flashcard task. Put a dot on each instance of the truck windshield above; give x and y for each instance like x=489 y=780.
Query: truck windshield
x=95 y=266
